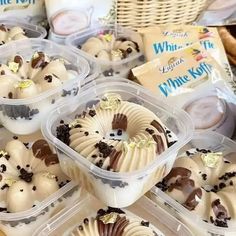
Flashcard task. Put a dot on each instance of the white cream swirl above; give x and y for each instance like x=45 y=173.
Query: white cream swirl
x=146 y=136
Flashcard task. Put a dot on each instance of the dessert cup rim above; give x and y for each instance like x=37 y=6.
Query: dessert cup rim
x=25 y=25
x=144 y=202
x=186 y=128
x=41 y=206
x=26 y=44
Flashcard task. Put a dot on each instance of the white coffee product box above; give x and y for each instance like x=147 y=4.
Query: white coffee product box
x=66 y=17
x=31 y=11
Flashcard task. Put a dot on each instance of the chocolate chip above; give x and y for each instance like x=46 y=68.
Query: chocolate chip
x=150 y=131
x=112 y=135
x=145 y=223
x=86 y=133
x=34 y=188
x=86 y=221
x=119 y=132
x=92 y=113
x=94 y=156
x=3 y=72
x=81 y=227
x=129 y=50
x=21 y=190
x=15 y=137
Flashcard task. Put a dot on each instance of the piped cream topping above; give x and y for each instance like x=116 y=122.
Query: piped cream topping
x=25 y=79
x=12 y=34
x=107 y=47
x=146 y=135
x=27 y=175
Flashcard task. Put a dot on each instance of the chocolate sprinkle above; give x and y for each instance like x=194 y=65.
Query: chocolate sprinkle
x=104 y=148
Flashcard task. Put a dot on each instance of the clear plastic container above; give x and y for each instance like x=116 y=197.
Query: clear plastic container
x=144 y=208
x=26 y=222
x=113 y=188
x=117 y=68
x=31 y=31
x=24 y=116
x=94 y=71
x=216 y=143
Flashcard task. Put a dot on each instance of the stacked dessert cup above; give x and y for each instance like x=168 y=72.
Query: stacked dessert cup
x=33 y=186
x=26 y=59
x=100 y=45
x=13 y=29
x=205 y=169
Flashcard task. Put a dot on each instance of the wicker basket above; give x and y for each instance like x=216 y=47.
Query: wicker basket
x=142 y=13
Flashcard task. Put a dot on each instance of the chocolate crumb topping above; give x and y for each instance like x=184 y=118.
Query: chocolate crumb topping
x=63 y=133
x=4 y=186
x=48 y=78
x=3 y=168
x=150 y=131
x=92 y=113
x=120 y=121
x=145 y=223
x=25 y=175
x=104 y=148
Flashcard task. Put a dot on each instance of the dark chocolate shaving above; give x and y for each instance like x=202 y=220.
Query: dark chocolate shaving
x=192 y=200
x=18 y=59
x=39 y=61
x=41 y=148
x=3 y=28
x=51 y=160
x=219 y=210
x=157 y=125
x=114 y=158
x=160 y=145
x=119 y=122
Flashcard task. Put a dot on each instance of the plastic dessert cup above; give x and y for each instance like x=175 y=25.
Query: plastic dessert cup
x=31 y=31
x=209 y=141
x=144 y=208
x=110 y=68
x=94 y=71
x=26 y=222
x=113 y=188
x=24 y=116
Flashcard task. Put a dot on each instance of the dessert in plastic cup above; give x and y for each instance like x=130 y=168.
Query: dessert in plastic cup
x=115 y=49
x=90 y=217
x=116 y=139
x=200 y=187
x=211 y=113
x=35 y=76
x=33 y=187
x=11 y=30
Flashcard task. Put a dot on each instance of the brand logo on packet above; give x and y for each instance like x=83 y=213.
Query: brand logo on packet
x=178 y=33
x=172 y=63
x=17 y=2
x=172 y=84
